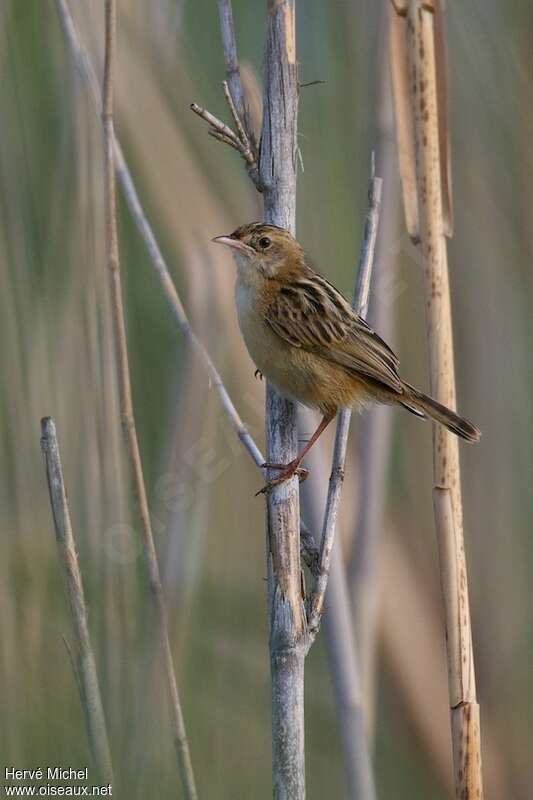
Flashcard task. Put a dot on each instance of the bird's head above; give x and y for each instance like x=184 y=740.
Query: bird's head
x=263 y=248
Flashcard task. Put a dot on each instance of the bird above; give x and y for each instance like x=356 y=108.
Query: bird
x=308 y=341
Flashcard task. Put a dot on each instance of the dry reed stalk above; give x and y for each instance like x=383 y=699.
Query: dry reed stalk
x=84 y=662
x=414 y=657
x=286 y=611
x=434 y=207
x=126 y=405
x=466 y=732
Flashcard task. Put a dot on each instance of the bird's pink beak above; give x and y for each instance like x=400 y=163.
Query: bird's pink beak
x=235 y=243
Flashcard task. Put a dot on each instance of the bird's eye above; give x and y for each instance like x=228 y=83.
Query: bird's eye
x=264 y=243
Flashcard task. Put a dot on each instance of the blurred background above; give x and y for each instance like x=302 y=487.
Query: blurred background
x=56 y=358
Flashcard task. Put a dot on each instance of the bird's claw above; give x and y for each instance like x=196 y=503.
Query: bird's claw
x=288 y=471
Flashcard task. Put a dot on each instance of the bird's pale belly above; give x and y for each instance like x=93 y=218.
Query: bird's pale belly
x=298 y=375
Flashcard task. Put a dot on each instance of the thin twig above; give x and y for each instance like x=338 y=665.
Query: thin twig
x=233 y=73
x=221 y=137
x=85 y=668
x=310 y=83
x=217 y=126
x=243 y=136
x=126 y=404
x=364 y=558
x=238 y=141
x=360 y=304
x=345 y=667
x=85 y=68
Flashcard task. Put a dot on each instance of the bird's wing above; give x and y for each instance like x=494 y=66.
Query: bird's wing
x=309 y=313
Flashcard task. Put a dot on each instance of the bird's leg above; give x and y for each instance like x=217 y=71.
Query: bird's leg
x=293 y=467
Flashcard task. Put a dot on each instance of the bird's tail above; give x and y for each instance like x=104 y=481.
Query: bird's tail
x=423 y=406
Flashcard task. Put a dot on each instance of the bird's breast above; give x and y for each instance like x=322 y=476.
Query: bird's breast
x=266 y=349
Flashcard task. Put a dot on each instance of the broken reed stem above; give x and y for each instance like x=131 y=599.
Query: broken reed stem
x=83 y=661
x=126 y=405
x=360 y=305
x=86 y=71
x=434 y=217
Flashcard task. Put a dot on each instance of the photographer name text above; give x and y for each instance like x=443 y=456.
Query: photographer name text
x=49 y=773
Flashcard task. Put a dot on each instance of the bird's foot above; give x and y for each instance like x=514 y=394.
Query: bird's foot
x=287 y=472
x=258 y=374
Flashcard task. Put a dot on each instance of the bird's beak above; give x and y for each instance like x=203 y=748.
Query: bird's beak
x=235 y=243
